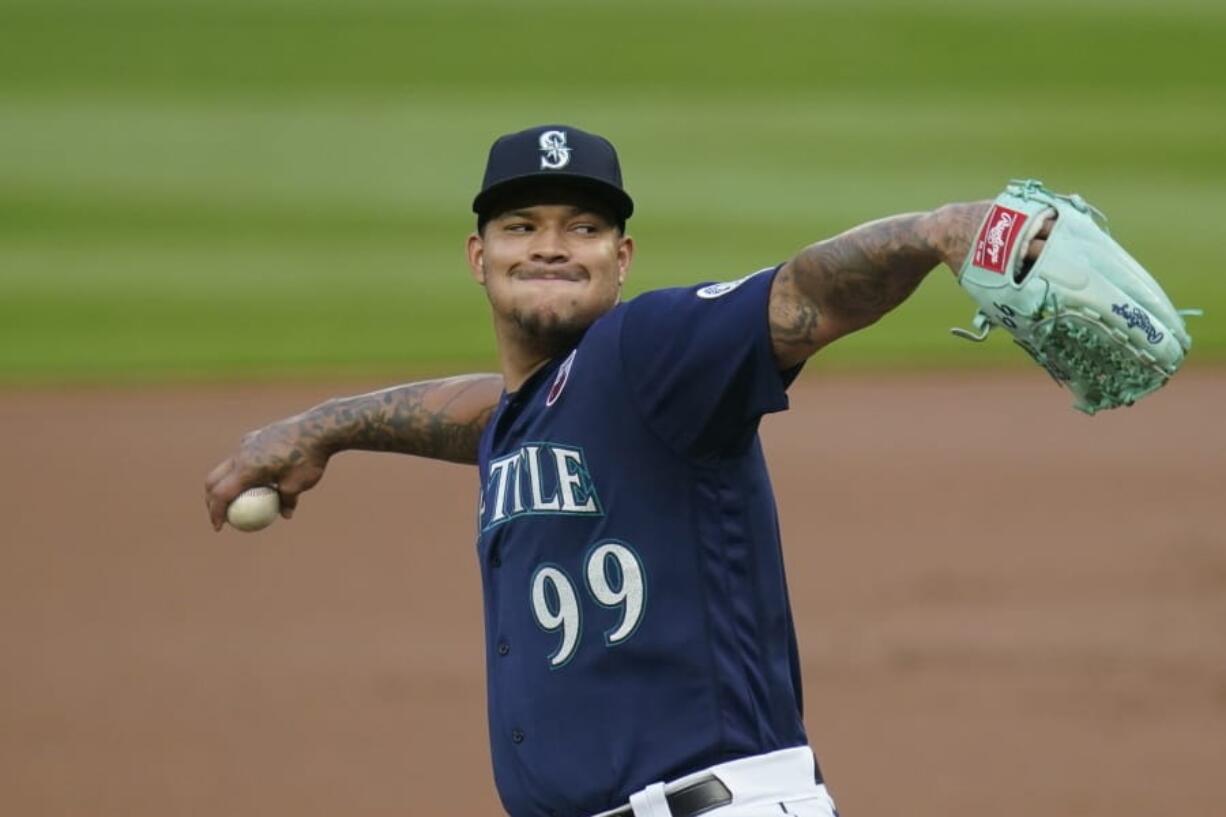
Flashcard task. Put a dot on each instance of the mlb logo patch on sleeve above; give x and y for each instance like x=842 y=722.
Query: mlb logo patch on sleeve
x=716 y=290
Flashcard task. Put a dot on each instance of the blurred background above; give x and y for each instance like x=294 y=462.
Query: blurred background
x=215 y=213
x=212 y=189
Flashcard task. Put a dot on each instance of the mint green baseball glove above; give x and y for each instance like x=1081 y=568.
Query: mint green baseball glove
x=1086 y=311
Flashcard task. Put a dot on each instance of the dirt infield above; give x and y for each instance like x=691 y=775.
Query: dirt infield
x=1004 y=608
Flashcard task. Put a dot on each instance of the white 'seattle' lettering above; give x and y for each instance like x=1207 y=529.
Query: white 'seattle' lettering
x=533 y=455
x=498 y=474
x=538 y=478
x=571 y=476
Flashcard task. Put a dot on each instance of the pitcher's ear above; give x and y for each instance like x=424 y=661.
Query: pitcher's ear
x=474 y=251
x=625 y=257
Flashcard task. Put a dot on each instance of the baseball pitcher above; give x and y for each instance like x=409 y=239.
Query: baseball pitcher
x=640 y=651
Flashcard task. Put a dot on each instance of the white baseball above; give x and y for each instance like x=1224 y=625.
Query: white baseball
x=254 y=508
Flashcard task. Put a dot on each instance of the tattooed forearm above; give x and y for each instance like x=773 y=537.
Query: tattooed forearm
x=439 y=419
x=863 y=273
x=793 y=319
x=847 y=282
x=442 y=419
x=952 y=229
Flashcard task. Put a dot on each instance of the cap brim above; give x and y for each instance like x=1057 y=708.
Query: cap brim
x=496 y=194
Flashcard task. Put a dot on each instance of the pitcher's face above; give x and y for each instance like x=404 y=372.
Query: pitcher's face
x=550 y=269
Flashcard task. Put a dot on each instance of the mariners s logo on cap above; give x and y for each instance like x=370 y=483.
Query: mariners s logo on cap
x=555 y=154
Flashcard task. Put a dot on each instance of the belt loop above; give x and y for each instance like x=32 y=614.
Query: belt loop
x=650 y=802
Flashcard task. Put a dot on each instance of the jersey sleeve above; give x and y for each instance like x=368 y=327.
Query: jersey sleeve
x=700 y=365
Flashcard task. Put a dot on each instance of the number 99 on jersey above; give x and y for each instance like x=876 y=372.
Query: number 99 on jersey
x=613 y=577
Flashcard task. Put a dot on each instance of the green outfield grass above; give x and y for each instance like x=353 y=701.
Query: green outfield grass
x=226 y=189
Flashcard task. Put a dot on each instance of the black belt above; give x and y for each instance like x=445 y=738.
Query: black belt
x=696 y=798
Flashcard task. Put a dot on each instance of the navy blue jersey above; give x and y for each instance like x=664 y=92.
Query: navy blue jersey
x=636 y=613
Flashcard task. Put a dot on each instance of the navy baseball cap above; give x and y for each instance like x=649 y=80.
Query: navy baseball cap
x=553 y=154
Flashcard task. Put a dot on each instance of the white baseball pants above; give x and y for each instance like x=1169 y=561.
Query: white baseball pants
x=770 y=785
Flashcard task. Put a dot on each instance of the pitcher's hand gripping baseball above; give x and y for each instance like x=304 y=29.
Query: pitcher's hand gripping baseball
x=279 y=455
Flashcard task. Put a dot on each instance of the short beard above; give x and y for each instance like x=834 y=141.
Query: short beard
x=548 y=334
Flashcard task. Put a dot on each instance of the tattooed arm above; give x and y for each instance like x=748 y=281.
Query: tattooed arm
x=439 y=419
x=847 y=282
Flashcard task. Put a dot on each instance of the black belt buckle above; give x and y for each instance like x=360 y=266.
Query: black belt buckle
x=697 y=798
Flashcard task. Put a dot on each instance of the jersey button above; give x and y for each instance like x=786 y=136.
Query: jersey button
x=504 y=648
x=496 y=560
x=517 y=736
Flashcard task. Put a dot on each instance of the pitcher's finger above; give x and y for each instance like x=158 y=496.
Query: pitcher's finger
x=220 y=497
x=1045 y=230
x=288 y=504
x=224 y=467
x=217 y=511
x=1035 y=249
x=290 y=487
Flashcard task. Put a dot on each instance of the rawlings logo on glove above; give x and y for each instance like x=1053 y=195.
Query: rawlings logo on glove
x=997 y=238
x=1086 y=311
x=1137 y=319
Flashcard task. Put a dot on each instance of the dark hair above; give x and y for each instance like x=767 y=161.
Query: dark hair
x=556 y=191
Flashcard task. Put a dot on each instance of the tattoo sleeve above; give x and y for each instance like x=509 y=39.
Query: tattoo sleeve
x=847 y=282
x=439 y=419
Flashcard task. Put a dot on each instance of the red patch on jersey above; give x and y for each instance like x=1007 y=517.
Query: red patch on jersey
x=559 y=380
x=996 y=239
